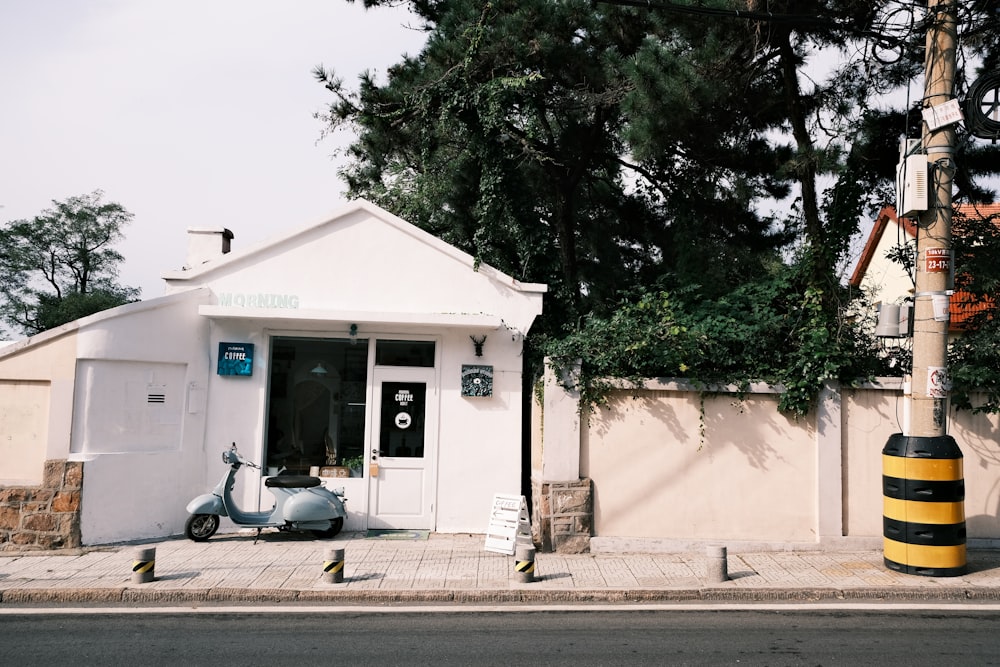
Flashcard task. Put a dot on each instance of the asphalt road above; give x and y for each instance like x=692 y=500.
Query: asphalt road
x=938 y=637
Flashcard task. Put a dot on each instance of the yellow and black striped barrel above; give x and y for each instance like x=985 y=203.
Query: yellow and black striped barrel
x=923 y=519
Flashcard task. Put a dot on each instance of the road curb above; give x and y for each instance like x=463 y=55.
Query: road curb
x=149 y=596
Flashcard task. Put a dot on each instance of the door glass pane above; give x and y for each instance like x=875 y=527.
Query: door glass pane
x=401 y=432
x=404 y=353
x=316 y=403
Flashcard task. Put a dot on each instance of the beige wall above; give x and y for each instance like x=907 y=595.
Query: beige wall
x=24 y=418
x=979 y=438
x=665 y=468
x=661 y=469
x=36 y=390
x=870 y=418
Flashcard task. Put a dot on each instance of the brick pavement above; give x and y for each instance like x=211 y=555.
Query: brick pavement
x=456 y=568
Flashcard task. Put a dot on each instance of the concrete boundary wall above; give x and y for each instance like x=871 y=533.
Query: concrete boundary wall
x=672 y=468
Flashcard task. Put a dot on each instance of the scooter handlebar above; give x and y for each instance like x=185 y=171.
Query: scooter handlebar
x=231 y=456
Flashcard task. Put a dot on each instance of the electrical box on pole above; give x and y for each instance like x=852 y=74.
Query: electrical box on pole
x=911 y=185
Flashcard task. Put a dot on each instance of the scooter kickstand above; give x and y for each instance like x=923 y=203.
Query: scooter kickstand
x=258 y=535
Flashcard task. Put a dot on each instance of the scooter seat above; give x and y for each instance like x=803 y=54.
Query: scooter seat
x=292 y=481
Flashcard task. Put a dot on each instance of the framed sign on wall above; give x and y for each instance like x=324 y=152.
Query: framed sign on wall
x=235 y=359
x=477 y=380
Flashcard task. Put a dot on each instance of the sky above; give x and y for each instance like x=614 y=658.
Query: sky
x=187 y=113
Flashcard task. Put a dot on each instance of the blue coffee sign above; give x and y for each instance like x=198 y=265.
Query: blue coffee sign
x=235 y=359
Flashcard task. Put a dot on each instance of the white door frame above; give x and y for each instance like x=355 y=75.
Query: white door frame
x=403 y=492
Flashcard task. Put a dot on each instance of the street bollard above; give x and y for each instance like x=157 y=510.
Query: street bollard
x=524 y=563
x=333 y=566
x=716 y=571
x=143 y=564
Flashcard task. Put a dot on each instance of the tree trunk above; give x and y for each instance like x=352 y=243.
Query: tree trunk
x=820 y=266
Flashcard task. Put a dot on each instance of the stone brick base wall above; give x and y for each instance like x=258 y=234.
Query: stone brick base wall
x=562 y=516
x=46 y=516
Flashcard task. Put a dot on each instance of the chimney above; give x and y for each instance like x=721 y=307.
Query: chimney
x=206 y=244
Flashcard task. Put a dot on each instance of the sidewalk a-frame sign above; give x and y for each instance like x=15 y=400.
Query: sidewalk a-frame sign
x=509 y=523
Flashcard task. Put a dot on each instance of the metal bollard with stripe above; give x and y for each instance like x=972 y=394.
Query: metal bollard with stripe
x=143 y=565
x=333 y=566
x=524 y=563
x=923 y=506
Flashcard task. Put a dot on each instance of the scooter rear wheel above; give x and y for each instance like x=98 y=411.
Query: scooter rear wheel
x=332 y=531
x=200 y=527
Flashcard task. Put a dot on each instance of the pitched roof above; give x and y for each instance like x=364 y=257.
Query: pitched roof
x=885 y=216
x=361 y=264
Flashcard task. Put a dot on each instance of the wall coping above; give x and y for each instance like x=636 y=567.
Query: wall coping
x=683 y=385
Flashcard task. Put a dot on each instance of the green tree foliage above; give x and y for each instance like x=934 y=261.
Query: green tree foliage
x=974 y=358
x=62 y=264
x=764 y=330
x=510 y=136
x=628 y=156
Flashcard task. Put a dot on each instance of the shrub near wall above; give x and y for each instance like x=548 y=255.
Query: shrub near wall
x=46 y=516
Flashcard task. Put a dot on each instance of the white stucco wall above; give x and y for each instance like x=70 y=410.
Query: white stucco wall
x=887 y=281
x=365 y=267
x=363 y=260
x=479 y=439
x=135 y=395
x=142 y=461
x=480 y=445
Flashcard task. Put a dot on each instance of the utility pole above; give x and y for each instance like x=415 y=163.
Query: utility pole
x=929 y=410
x=924 y=520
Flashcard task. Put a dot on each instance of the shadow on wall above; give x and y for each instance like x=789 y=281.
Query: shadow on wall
x=670 y=448
x=978 y=436
x=710 y=419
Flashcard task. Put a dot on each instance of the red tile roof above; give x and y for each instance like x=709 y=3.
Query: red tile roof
x=963 y=306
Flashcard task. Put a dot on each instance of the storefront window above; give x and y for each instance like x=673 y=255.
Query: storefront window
x=316 y=403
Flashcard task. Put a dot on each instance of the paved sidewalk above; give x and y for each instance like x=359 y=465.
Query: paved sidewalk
x=288 y=568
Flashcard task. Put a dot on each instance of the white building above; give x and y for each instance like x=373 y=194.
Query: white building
x=350 y=343
x=888 y=282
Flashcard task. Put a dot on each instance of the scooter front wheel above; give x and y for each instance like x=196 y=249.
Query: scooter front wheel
x=200 y=527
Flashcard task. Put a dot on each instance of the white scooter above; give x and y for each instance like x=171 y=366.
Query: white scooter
x=301 y=503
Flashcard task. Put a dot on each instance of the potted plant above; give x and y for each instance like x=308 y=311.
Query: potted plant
x=356 y=464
